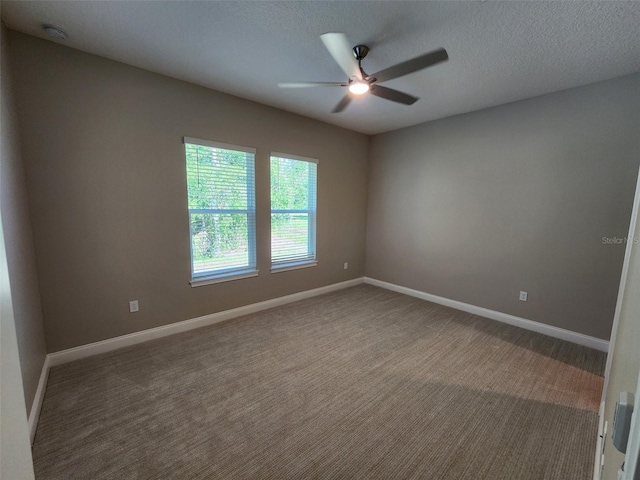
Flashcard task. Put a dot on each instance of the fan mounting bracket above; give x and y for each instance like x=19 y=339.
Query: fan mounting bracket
x=360 y=51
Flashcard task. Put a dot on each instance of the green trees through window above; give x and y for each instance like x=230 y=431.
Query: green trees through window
x=293 y=211
x=221 y=200
x=222 y=211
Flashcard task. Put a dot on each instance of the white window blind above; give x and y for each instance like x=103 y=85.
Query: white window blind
x=293 y=211
x=221 y=199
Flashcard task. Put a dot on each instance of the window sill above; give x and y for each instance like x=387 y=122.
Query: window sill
x=292 y=266
x=200 y=282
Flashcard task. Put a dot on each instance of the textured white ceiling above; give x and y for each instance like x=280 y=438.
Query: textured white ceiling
x=499 y=51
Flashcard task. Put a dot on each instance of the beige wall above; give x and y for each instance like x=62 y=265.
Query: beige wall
x=16 y=223
x=625 y=362
x=107 y=187
x=480 y=206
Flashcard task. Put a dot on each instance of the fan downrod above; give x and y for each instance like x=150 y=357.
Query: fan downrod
x=360 y=51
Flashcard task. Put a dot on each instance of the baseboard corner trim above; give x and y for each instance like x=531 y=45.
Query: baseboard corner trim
x=103 y=346
x=36 y=406
x=550 y=330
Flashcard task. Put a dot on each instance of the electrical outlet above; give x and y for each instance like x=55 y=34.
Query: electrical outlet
x=133 y=306
x=346 y=265
x=523 y=296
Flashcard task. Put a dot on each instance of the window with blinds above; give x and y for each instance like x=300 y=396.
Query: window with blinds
x=222 y=213
x=293 y=211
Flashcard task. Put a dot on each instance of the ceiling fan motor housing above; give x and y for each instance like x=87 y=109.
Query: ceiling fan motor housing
x=360 y=51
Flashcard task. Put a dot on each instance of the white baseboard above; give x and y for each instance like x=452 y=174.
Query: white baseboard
x=83 y=351
x=538 y=327
x=34 y=414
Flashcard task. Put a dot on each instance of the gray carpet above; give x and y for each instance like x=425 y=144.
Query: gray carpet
x=360 y=384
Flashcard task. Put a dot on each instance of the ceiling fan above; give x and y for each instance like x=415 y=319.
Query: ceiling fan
x=360 y=82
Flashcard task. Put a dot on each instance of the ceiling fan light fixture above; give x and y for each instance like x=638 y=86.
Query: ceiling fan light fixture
x=358 y=88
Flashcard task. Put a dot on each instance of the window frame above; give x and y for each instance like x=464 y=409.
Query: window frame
x=229 y=273
x=312 y=219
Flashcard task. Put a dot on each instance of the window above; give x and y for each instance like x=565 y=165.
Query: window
x=222 y=213
x=293 y=212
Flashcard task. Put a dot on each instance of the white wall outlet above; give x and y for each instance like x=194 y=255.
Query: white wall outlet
x=346 y=265
x=523 y=296
x=133 y=306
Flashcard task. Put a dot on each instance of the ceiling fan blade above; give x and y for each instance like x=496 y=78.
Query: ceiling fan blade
x=312 y=84
x=393 y=95
x=342 y=104
x=342 y=52
x=413 y=65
